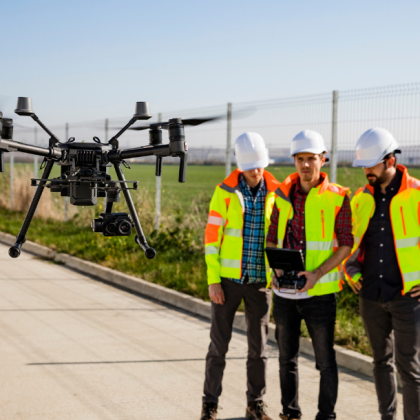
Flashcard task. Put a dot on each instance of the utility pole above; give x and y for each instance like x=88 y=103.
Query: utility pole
x=106 y=130
x=228 y=140
x=35 y=157
x=66 y=199
x=158 y=192
x=106 y=168
x=334 y=157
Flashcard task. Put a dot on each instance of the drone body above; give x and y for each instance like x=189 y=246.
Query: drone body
x=84 y=177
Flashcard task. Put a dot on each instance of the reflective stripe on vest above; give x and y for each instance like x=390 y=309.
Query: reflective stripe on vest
x=210 y=249
x=236 y=233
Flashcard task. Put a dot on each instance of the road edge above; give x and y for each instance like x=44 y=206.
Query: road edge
x=348 y=359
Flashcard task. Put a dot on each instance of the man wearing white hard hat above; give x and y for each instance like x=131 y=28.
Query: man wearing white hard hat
x=313 y=216
x=237 y=269
x=384 y=269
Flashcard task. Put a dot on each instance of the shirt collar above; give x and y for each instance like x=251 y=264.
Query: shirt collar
x=394 y=185
x=299 y=188
x=244 y=184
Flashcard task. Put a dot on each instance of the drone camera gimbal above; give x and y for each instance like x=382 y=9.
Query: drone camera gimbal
x=83 y=176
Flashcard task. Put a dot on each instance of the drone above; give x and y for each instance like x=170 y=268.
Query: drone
x=84 y=176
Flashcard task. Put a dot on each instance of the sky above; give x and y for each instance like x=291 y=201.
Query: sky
x=87 y=60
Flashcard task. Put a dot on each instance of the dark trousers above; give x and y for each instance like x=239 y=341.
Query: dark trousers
x=319 y=314
x=393 y=330
x=257 y=301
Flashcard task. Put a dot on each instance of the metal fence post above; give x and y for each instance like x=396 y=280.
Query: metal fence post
x=66 y=199
x=334 y=157
x=158 y=192
x=12 y=161
x=35 y=157
x=106 y=169
x=228 y=140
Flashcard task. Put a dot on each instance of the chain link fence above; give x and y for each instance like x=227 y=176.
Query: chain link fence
x=395 y=108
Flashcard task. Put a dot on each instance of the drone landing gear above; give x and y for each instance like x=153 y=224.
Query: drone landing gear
x=14 y=251
x=140 y=239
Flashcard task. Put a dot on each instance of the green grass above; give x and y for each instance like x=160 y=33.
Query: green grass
x=180 y=263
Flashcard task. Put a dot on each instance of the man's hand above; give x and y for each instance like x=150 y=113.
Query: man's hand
x=279 y=273
x=415 y=291
x=216 y=293
x=311 y=278
x=356 y=287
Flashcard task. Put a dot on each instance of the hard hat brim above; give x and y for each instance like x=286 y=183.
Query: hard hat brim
x=262 y=163
x=370 y=163
x=305 y=150
x=366 y=163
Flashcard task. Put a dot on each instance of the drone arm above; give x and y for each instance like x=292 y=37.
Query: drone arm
x=140 y=238
x=175 y=148
x=45 y=128
x=15 y=146
x=119 y=155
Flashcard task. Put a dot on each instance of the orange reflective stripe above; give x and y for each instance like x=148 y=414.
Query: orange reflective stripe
x=211 y=234
x=418 y=212
x=214 y=222
x=403 y=221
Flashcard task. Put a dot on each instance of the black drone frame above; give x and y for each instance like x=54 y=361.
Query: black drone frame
x=83 y=166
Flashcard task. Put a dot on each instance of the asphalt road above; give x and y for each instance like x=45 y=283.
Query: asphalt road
x=75 y=348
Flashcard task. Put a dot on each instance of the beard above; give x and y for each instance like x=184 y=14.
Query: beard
x=376 y=181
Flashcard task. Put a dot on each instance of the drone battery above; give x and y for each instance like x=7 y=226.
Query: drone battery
x=83 y=195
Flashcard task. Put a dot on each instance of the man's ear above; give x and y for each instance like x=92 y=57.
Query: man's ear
x=390 y=162
x=323 y=160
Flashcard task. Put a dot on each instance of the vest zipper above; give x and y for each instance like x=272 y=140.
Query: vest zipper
x=403 y=221
x=323 y=224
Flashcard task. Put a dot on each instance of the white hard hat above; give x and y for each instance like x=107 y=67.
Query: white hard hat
x=373 y=145
x=251 y=152
x=307 y=141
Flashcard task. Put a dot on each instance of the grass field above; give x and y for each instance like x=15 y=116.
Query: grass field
x=180 y=263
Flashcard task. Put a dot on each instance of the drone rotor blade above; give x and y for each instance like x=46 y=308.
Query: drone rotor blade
x=198 y=121
x=146 y=127
x=241 y=113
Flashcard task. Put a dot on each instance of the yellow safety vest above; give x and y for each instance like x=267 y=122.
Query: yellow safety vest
x=405 y=222
x=321 y=208
x=223 y=236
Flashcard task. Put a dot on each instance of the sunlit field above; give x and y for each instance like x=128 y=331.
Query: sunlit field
x=179 y=241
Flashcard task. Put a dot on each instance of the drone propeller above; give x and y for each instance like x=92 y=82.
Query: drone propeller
x=196 y=121
x=188 y=121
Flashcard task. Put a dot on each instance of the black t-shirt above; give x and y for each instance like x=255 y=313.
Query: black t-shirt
x=381 y=273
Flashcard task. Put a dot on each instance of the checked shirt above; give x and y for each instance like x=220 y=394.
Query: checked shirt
x=253 y=262
x=295 y=236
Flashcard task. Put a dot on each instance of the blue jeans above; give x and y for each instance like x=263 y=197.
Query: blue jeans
x=319 y=314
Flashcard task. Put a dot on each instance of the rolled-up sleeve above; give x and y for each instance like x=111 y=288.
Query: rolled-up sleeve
x=343 y=225
x=272 y=230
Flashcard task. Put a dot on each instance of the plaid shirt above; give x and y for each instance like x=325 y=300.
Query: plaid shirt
x=253 y=262
x=295 y=236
